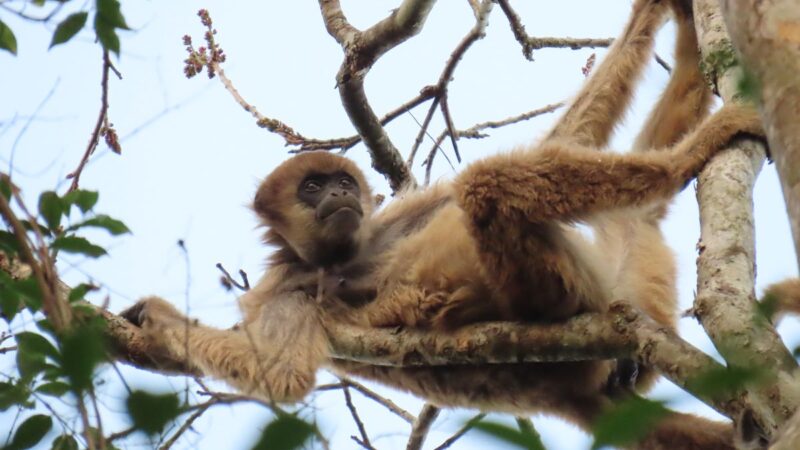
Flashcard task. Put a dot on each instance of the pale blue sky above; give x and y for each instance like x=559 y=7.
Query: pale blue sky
x=192 y=157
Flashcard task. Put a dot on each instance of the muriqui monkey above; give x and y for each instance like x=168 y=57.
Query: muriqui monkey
x=496 y=243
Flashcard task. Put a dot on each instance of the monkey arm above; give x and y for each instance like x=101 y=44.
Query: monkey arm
x=274 y=355
x=565 y=182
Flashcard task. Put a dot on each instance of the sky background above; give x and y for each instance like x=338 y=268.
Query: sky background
x=192 y=159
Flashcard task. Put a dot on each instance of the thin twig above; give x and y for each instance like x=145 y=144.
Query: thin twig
x=461 y=432
x=388 y=404
x=188 y=423
x=476 y=33
x=425 y=94
x=354 y=413
x=421 y=427
x=474 y=132
x=244 y=285
x=120 y=434
x=87 y=426
x=100 y=440
x=529 y=44
x=94 y=139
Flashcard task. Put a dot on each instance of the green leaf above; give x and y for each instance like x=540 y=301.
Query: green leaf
x=31 y=432
x=8 y=243
x=30 y=292
x=13 y=395
x=109 y=12
x=724 y=381
x=30 y=364
x=64 y=442
x=51 y=208
x=9 y=303
x=36 y=343
x=54 y=388
x=32 y=351
x=113 y=226
x=107 y=36
x=81 y=351
x=84 y=199
x=7 y=39
x=12 y=291
x=626 y=422
x=80 y=291
x=285 y=433
x=520 y=438
x=151 y=412
x=68 y=28
x=77 y=244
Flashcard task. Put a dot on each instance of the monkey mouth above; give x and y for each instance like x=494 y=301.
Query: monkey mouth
x=335 y=210
x=341 y=211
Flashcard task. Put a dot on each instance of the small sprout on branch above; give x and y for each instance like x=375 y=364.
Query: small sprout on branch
x=587 y=68
x=209 y=56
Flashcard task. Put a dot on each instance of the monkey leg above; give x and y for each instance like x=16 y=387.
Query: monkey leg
x=686 y=99
x=274 y=357
x=603 y=99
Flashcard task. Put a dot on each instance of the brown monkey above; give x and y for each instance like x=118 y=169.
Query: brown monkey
x=497 y=243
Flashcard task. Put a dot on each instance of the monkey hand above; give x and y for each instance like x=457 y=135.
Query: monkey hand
x=164 y=328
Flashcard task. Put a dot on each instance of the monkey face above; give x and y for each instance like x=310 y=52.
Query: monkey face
x=335 y=199
x=318 y=205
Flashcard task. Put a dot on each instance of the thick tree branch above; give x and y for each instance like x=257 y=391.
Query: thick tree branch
x=767 y=35
x=725 y=303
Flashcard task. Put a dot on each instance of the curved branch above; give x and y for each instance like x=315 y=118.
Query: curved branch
x=361 y=50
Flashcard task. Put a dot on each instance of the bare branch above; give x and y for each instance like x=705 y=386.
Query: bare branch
x=362 y=49
x=354 y=413
x=474 y=132
x=188 y=423
x=477 y=32
x=346 y=143
x=461 y=432
x=529 y=44
x=419 y=431
x=102 y=119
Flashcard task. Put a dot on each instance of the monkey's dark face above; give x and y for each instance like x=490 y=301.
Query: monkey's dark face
x=336 y=201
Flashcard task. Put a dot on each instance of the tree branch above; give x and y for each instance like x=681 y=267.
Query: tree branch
x=726 y=265
x=767 y=34
x=421 y=426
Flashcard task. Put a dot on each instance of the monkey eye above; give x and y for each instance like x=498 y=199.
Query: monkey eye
x=312 y=186
x=345 y=183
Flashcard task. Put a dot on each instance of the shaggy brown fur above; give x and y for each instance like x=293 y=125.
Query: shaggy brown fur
x=495 y=244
